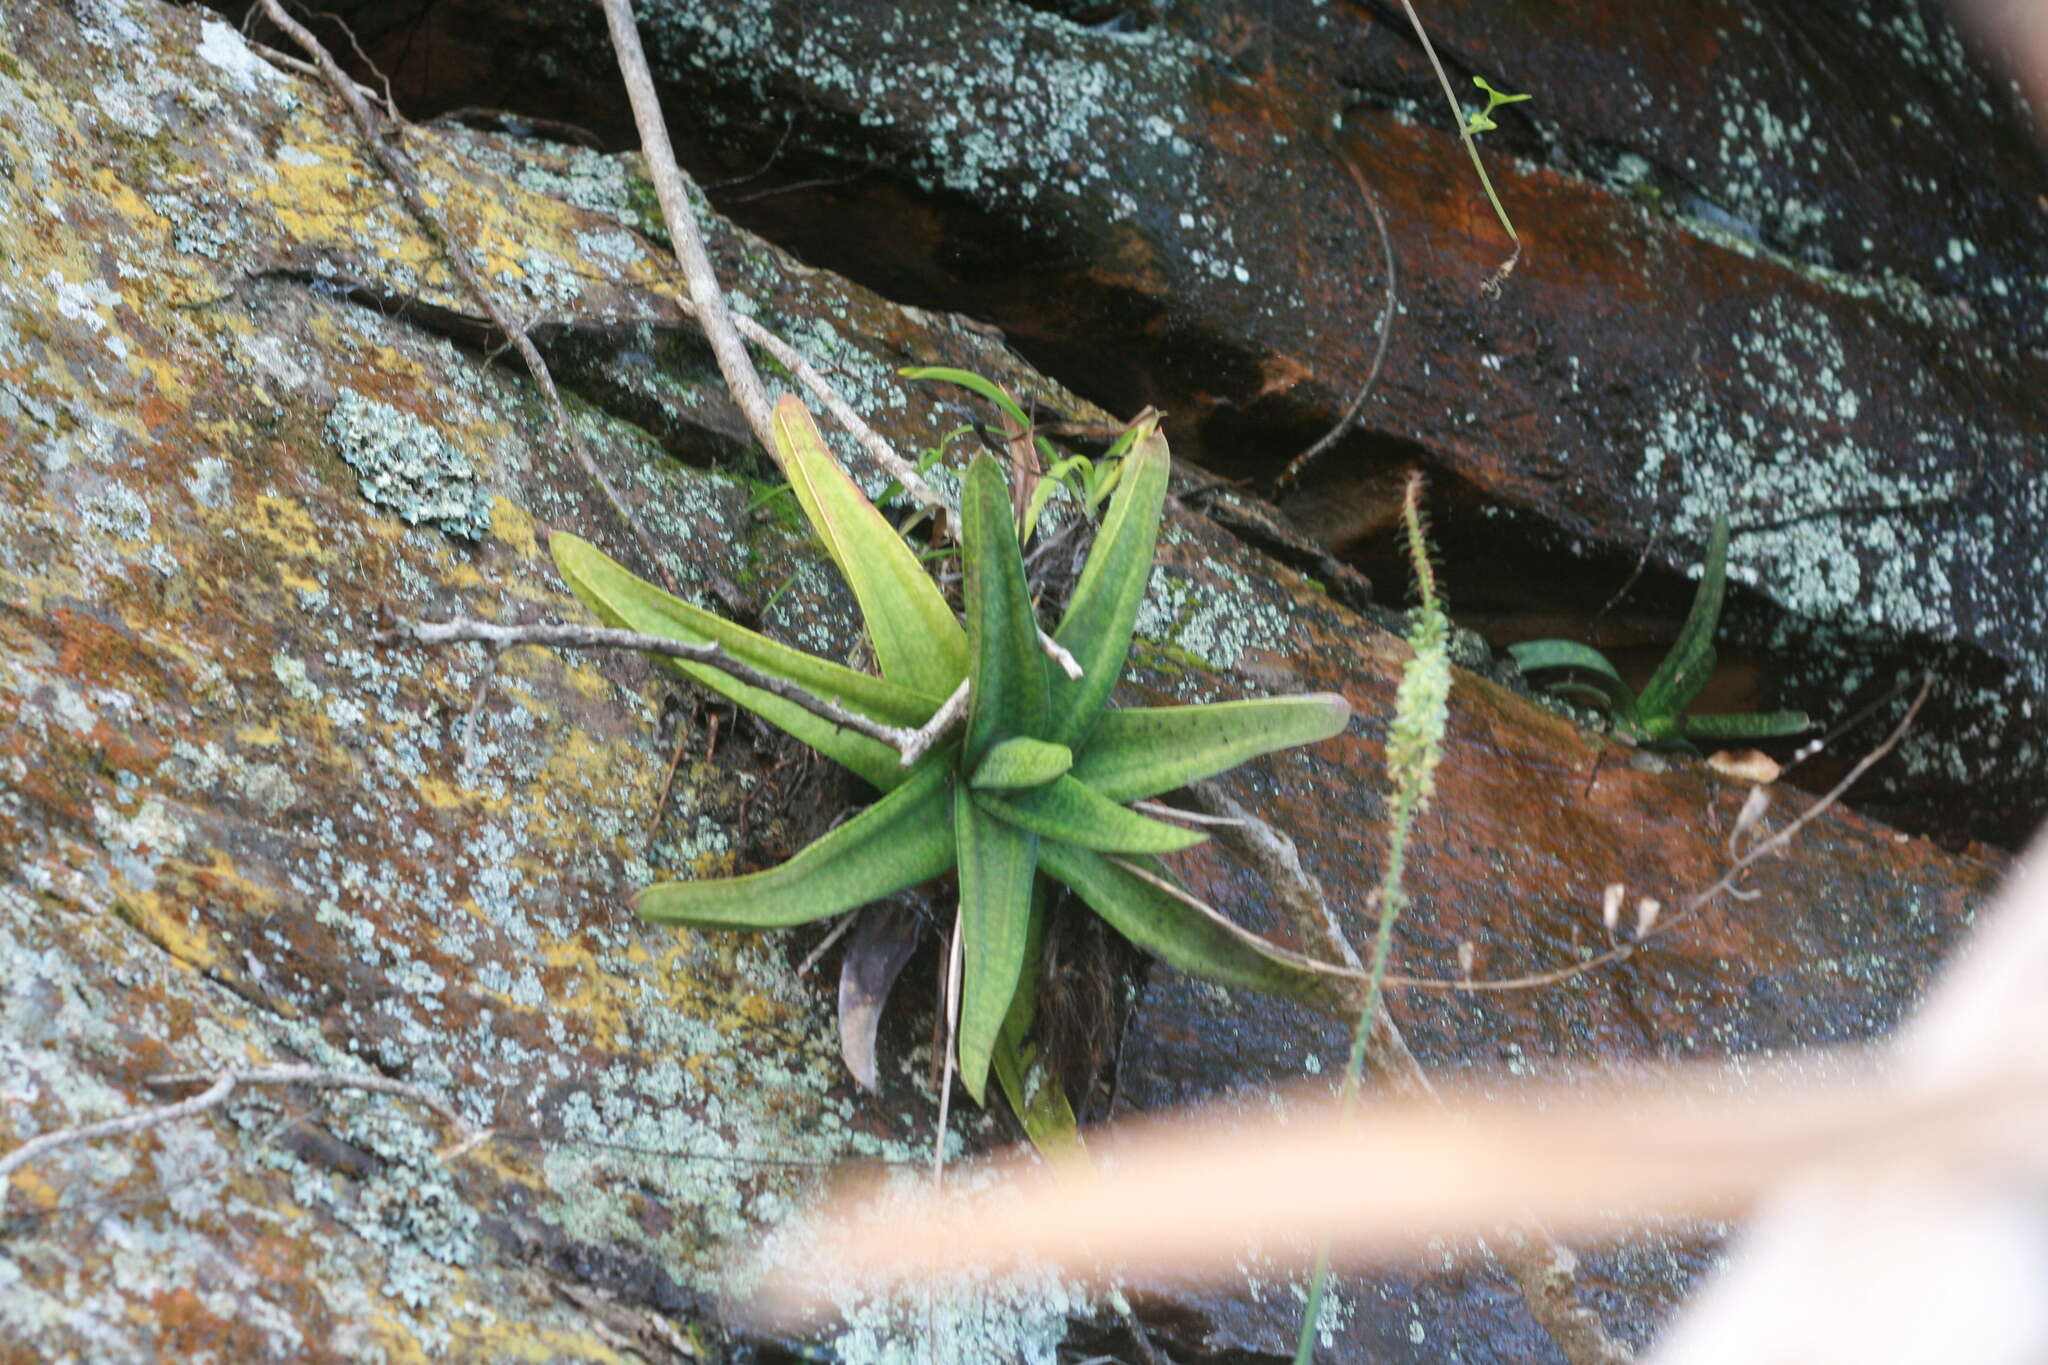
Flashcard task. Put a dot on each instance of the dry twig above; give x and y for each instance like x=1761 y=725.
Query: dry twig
x=707 y=302
x=222 y=1087
x=670 y=188
x=1292 y=472
x=1756 y=853
x=920 y=741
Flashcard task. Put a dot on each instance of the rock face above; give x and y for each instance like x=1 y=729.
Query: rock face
x=1782 y=260
x=250 y=421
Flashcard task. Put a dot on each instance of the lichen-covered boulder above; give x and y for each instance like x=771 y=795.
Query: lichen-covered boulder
x=1782 y=262
x=250 y=422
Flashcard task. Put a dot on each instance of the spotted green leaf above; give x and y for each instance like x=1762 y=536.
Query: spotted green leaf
x=1184 y=936
x=1073 y=813
x=1540 y=656
x=997 y=862
x=1690 y=663
x=1022 y=762
x=901 y=840
x=1144 y=751
x=1104 y=608
x=1007 y=694
x=621 y=599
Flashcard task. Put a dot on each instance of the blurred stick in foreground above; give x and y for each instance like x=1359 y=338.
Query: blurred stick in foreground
x=1906 y=1183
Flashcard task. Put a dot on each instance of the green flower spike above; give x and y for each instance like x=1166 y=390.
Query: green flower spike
x=1037 y=784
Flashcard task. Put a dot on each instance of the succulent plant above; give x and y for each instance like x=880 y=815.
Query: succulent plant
x=1655 y=716
x=1036 y=786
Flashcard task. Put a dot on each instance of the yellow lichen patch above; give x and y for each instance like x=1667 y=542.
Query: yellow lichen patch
x=259 y=736
x=615 y=773
x=764 y=1010
x=709 y=864
x=282 y=522
x=597 y=998
x=512 y=524
x=498 y=1158
x=220 y=878
x=187 y=943
x=442 y=794
x=587 y=679
x=501 y=1339
x=324 y=191
x=462 y=575
x=39 y=1193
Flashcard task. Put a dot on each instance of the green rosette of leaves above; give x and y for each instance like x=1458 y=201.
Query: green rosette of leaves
x=1038 y=782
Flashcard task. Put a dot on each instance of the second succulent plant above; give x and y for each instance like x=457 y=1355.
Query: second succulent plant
x=1036 y=786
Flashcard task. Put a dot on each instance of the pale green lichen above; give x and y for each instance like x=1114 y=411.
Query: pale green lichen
x=1846 y=543
x=1214 y=623
x=406 y=465
x=1039 y=119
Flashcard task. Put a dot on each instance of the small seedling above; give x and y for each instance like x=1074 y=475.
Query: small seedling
x=1035 y=790
x=1482 y=121
x=1655 y=716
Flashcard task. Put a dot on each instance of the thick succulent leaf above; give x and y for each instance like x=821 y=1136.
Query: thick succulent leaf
x=1104 y=607
x=881 y=943
x=997 y=863
x=1024 y=1002
x=1690 y=663
x=1747 y=725
x=1035 y=1097
x=1683 y=685
x=1194 y=940
x=1071 y=812
x=1007 y=697
x=1537 y=656
x=1146 y=750
x=1019 y=763
x=918 y=643
x=901 y=840
x=621 y=599
x=1038 y=1102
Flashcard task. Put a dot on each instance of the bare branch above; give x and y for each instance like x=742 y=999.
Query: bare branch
x=919 y=742
x=1175 y=813
x=127 y=1123
x=318 y=1078
x=1756 y=854
x=222 y=1087
x=598 y=637
x=671 y=188
x=1542 y=1267
x=807 y=374
x=1379 y=354
x=1060 y=655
